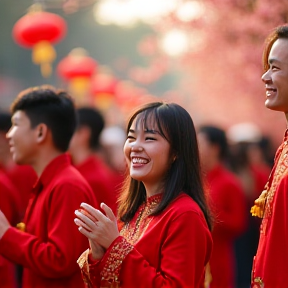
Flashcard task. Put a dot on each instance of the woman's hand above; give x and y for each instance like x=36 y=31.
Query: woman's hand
x=97 y=251
x=98 y=228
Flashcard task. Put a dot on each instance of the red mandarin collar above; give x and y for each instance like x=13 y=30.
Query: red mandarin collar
x=57 y=164
x=154 y=198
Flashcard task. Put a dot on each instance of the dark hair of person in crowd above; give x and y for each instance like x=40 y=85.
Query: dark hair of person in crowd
x=94 y=120
x=216 y=136
x=174 y=124
x=55 y=108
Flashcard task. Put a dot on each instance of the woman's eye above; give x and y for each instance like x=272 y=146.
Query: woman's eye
x=150 y=138
x=130 y=137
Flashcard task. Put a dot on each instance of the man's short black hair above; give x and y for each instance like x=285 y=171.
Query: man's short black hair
x=55 y=108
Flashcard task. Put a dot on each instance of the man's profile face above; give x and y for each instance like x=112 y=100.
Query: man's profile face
x=22 y=138
x=276 y=77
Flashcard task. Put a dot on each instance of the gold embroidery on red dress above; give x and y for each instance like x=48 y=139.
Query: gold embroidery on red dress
x=133 y=230
x=131 y=233
x=83 y=264
x=111 y=271
x=263 y=205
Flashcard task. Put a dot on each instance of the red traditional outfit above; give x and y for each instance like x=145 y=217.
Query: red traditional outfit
x=9 y=205
x=24 y=178
x=51 y=243
x=228 y=204
x=270 y=266
x=101 y=180
x=167 y=250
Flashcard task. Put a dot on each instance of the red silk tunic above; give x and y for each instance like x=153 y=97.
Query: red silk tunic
x=101 y=179
x=229 y=206
x=167 y=250
x=270 y=268
x=51 y=243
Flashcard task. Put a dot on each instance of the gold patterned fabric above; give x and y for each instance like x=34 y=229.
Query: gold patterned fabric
x=133 y=230
x=263 y=205
x=83 y=264
x=257 y=283
x=131 y=233
x=122 y=246
x=111 y=271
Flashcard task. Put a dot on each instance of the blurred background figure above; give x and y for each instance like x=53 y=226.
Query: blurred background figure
x=227 y=201
x=23 y=177
x=85 y=151
x=112 y=141
x=9 y=201
x=16 y=186
x=250 y=159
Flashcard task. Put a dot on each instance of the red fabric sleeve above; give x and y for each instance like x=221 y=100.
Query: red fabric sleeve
x=57 y=255
x=184 y=252
x=183 y=256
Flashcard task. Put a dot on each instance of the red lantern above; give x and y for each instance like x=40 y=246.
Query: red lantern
x=129 y=96
x=37 y=30
x=103 y=87
x=77 y=69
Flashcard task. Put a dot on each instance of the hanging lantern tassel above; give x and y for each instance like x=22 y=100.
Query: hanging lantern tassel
x=44 y=54
x=79 y=86
x=38 y=30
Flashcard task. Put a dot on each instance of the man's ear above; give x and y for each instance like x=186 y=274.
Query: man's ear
x=41 y=132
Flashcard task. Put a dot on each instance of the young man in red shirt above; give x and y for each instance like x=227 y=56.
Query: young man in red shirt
x=271 y=260
x=43 y=122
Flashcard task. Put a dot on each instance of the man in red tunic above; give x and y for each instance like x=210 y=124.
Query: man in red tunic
x=84 y=149
x=47 y=245
x=228 y=204
x=271 y=261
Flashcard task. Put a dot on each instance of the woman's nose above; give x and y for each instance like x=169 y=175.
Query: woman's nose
x=136 y=148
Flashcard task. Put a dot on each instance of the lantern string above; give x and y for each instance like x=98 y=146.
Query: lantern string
x=40 y=3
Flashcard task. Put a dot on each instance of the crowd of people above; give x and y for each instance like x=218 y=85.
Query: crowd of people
x=162 y=203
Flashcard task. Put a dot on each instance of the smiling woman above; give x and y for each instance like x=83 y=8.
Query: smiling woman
x=163 y=237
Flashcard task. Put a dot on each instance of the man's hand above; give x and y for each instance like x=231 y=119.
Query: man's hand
x=4 y=224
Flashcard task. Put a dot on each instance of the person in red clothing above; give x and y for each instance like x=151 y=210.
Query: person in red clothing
x=9 y=205
x=47 y=244
x=112 y=140
x=84 y=151
x=248 y=164
x=23 y=177
x=227 y=200
x=271 y=261
x=164 y=238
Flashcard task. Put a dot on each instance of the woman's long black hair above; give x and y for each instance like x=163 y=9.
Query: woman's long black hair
x=174 y=124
